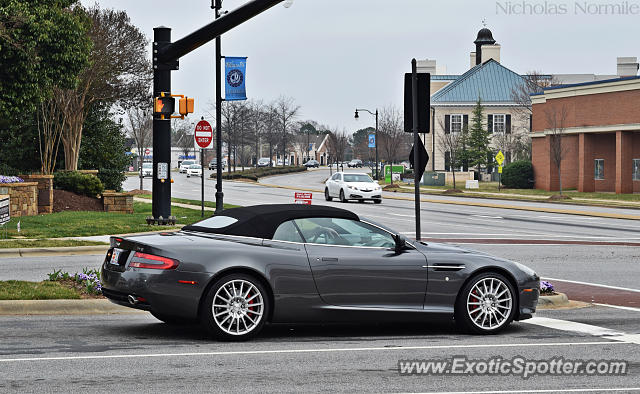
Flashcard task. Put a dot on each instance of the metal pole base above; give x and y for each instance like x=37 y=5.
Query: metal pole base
x=220 y=204
x=160 y=221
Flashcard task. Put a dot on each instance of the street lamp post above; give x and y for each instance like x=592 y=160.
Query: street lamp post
x=377 y=175
x=217 y=5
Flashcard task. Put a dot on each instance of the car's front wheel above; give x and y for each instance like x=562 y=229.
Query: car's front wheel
x=326 y=194
x=235 y=308
x=342 y=198
x=486 y=304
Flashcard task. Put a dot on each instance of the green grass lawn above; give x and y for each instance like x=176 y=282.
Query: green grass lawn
x=46 y=290
x=46 y=243
x=77 y=224
x=210 y=204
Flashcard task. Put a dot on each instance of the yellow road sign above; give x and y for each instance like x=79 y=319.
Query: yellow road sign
x=500 y=158
x=499 y=169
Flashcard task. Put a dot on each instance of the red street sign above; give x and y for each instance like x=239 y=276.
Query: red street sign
x=147 y=151
x=204 y=134
x=303 y=198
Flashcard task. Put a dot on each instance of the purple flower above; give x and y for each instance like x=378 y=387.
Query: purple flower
x=546 y=287
x=10 y=179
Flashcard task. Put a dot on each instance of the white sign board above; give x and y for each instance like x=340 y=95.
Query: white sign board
x=5 y=213
x=472 y=184
x=163 y=170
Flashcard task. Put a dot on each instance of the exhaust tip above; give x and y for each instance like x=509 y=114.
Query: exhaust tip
x=132 y=299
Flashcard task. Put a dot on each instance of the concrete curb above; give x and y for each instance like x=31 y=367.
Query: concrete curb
x=63 y=307
x=557 y=300
x=62 y=251
x=486 y=205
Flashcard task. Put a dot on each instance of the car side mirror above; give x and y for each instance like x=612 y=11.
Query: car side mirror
x=401 y=244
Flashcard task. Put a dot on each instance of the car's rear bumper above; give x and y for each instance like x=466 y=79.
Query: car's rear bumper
x=155 y=290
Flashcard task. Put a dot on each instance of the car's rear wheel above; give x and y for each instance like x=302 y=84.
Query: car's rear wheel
x=235 y=308
x=326 y=194
x=486 y=304
x=342 y=198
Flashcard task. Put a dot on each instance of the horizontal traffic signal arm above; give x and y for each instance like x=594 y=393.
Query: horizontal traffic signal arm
x=174 y=51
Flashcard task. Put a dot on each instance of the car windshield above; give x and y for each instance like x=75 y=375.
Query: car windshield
x=187 y=163
x=147 y=165
x=357 y=178
x=195 y=167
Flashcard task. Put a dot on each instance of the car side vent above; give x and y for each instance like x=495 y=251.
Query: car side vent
x=445 y=267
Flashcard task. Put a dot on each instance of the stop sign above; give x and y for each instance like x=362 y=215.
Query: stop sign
x=204 y=135
x=147 y=151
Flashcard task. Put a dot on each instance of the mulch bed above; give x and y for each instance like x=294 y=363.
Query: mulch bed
x=559 y=197
x=452 y=191
x=68 y=201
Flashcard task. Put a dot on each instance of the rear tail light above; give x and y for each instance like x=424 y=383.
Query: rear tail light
x=145 y=260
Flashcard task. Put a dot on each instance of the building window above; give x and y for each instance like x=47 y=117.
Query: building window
x=636 y=169
x=456 y=123
x=499 y=123
x=599 y=169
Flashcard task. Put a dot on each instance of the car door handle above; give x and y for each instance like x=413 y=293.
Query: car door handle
x=333 y=259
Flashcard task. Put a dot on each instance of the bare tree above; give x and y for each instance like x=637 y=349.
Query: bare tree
x=118 y=73
x=286 y=112
x=519 y=140
x=52 y=120
x=271 y=131
x=556 y=127
x=256 y=115
x=182 y=135
x=391 y=134
x=140 y=128
x=452 y=143
x=336 y=146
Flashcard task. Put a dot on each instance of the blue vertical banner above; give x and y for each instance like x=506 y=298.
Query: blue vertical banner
x=235 y=78
x=372 y=140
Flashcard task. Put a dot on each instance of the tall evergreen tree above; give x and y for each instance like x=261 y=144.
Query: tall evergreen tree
x=479 y=138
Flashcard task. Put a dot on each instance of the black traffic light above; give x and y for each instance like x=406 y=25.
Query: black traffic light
x=424 y=102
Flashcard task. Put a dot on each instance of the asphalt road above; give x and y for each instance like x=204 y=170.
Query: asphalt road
x=136 y=353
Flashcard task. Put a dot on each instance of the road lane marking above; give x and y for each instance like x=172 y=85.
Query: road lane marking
x=593 y=284
x=582 y=328
x=624 y=308
x=583 y=390
x=326 y=350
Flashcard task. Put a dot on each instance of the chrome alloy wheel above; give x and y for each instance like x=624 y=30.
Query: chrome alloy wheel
x=489 y=303
x=238 y=307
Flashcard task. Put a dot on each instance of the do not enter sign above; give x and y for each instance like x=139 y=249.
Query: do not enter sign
x=203 y=135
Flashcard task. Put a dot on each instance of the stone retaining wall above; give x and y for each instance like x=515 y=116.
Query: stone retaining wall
x=117 y=202
x=45 y=191
x=23 y=198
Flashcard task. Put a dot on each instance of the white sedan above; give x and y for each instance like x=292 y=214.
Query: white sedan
x=195 y=170
x=352 y=186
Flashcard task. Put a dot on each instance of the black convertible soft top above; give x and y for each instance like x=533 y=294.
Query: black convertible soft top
x=261 y=221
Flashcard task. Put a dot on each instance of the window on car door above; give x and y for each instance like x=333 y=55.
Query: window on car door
x=345 y=232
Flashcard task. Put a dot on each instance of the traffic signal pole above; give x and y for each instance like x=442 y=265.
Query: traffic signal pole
x=161 y=197
x=165 y=59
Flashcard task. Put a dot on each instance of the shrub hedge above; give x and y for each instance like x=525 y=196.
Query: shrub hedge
x=518 y=175
x=76 y=182
x=257 y=173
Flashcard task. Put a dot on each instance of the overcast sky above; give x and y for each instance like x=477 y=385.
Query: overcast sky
x=334 y=55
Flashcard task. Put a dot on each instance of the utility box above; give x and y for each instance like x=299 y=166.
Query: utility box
x=433 y=178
